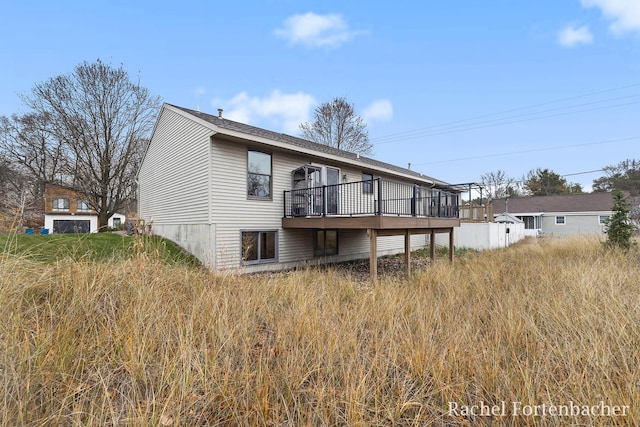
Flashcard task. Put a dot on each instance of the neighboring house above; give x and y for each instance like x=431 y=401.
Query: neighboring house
x=66 y=211
x=239 y=196
x=559 y=215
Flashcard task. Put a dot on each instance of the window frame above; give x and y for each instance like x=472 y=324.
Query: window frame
x=55 y=204
x=80 y=208
x=367 y=184
x=564 y=220
x=270 y=175
x=322 y=252
x=602 y=219
x=259 y=259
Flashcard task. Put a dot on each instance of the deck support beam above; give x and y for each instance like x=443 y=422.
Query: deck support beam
x=432 y=245
x=407 y=251
x=451 y=245
x=373 y=255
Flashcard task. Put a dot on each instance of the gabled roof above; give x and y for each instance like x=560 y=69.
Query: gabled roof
x=588 y=202
x=298 y=144
x=508 y=218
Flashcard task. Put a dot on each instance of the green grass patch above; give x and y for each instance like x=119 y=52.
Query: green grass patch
x=443 y=252
x=95 y=247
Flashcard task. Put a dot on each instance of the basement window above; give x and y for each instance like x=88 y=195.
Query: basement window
x=259 y=247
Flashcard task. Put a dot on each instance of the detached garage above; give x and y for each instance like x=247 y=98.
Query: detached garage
x=61 y=224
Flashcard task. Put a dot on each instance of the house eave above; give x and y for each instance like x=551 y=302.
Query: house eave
x=561 y=213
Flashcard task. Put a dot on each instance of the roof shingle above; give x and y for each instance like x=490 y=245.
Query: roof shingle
x=588 y=202
x=303 y=143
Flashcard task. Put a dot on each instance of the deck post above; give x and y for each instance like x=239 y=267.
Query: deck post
x=407 y=251
x=432 y=245
x=373 y=255
x=451 y=245
x=414 y=201
x=324 y=200
x=379 y=207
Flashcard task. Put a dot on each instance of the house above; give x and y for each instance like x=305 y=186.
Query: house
x=237 y=196
x=67 y=211
x=559 y=215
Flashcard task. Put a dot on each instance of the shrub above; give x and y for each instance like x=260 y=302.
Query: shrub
x=619 y=228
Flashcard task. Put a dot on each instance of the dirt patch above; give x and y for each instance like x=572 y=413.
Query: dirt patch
x=391 y=267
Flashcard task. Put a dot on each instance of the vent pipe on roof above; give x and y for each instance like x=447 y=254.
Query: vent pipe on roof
x=219 y=113
x=409 y=166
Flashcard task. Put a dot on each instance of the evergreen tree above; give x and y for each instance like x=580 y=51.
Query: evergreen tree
x=619 y=227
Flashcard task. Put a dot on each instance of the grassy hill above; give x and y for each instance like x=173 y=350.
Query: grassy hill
x=89 y=341
x=96 y=247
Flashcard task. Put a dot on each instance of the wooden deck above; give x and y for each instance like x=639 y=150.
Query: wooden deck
x=378 y=222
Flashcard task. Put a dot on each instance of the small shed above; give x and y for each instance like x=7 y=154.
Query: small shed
x=507 y=218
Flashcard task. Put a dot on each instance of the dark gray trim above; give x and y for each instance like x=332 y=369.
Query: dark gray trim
x=261 y=261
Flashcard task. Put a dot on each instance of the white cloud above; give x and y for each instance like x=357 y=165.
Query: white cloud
x=283 y=110
x=312 y=30
x=381 y=109
x=625 y=14
x=199 y=91
x=571 y=36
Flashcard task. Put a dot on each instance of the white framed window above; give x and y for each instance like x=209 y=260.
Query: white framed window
x=259 y=246
x=61 y=205
x=82 y=206
x=602 y=219
x=560 y=220
x=258 y=175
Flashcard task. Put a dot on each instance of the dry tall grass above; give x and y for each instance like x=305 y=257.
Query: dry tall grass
x=143 y=343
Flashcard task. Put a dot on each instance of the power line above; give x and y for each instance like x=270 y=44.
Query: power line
x=582 y=173
x=522 y=181
x=480 y=125
x=426 y=131
x=533 y=150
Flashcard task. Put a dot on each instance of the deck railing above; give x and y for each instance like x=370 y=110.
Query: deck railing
x=371 y=197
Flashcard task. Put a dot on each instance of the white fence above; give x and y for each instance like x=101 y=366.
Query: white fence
x=483 y=235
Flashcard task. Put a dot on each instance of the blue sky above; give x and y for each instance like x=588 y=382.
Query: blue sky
x=456 y=88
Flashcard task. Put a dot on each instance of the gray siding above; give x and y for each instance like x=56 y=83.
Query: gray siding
x=234 y=212
x=173 y=178
x=174 y=184
x=575 y=223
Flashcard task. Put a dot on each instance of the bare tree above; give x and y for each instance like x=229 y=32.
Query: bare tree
x=16 y=194
x=103 y=118
x=499 y=185
x=336 y=124
x=31 y=144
